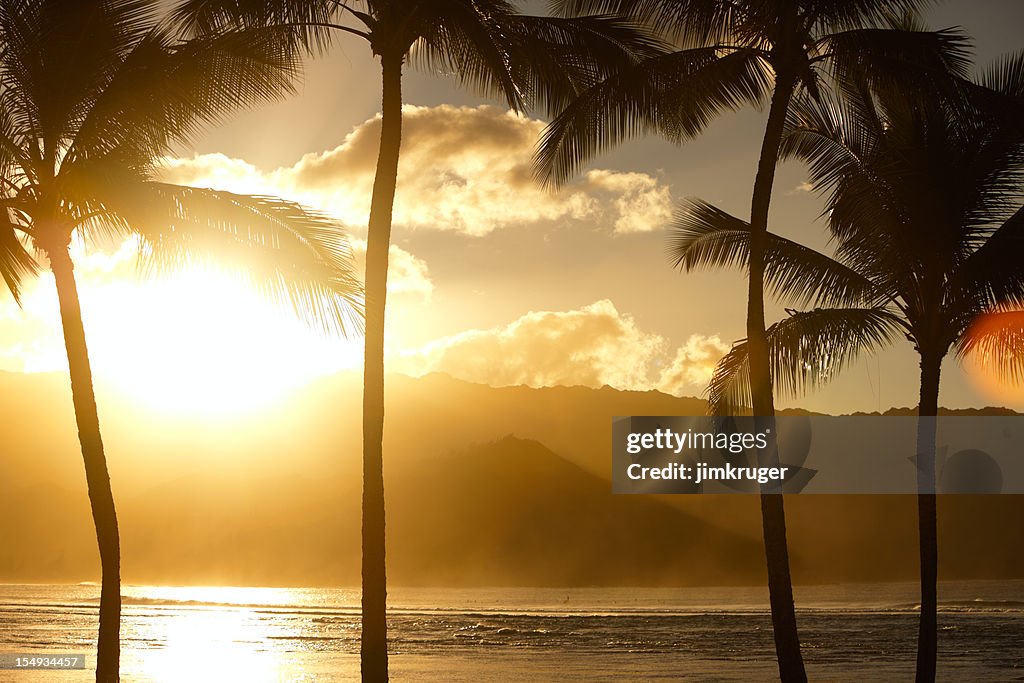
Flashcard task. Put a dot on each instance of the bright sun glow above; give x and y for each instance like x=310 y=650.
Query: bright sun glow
x=211 y=643
x=198 y=341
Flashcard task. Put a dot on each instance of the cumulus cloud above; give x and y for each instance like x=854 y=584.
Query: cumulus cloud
x=693 y=365
x=221 y=172
x=465 y=169
x=592 y=346
x=407 y=274
x=641 y=203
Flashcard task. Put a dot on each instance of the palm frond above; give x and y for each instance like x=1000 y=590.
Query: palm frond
x=306 y=24
x=288 y=252
x=833 y=135
x=690 y=23
x=856 y=157
x=50 y=68
x=1001 y=91
x=704 y=236
x=994 y=273
x=924 y=61
x=996 y=341
x=806 y=349
x=833 y=16
x=1005 y=75
x=553 y=60
x=675 y=95
x=16 y=264
x=454 y=36
x=165 y=92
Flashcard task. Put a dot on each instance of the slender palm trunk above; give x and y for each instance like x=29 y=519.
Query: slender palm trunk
x=773 y=514
x=374 y=649
x=101 y=498
x=928 y=409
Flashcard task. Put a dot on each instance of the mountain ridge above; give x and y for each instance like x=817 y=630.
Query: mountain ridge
x=274 y=498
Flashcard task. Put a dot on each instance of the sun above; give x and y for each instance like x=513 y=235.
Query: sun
x=202 y=342
x=197 y=341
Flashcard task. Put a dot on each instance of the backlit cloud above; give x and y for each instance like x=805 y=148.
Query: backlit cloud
x=693 y=365
x=464 y=169
x=592 y=346
x=407 y=274
x=641 y=203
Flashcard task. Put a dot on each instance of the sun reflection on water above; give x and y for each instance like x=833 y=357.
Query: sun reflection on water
x=210 y=633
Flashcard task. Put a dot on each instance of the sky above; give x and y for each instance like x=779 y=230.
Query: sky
x=494 y=279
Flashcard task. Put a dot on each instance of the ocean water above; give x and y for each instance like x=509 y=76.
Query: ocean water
x=850 y=632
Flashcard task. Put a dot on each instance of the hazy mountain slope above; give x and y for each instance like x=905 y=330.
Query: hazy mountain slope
x=274 y=497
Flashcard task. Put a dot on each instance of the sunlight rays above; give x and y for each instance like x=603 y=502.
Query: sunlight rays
x=196 y=342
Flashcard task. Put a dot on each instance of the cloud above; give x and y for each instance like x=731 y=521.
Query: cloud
x=641 y=202
x=407 y=274
x=592 y=346
x=802 y=187
x=693 y=365
x=463 y=169
x=220 y=172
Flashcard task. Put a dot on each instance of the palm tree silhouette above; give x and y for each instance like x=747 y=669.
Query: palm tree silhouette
x=924 y=202
x=526 y=60
x=731 y=53
x=91 y=96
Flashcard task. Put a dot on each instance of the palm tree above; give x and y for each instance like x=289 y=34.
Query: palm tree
x=92 y=95
x=490 y=47
x=924 y=198
x=731 y=53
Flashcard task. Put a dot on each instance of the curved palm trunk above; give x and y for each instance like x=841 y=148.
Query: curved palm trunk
x=773 y=514
x=928 y=409
x=374 y=648
x=101 y=497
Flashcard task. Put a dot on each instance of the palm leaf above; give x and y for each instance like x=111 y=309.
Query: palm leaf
x=676 y=95
x=16 y=264
x=806 y=350
x=465 y=38
x=307 y=24
x=704 y=236
x=164 y=92
x=288 y=252
x=994 y=273
x=691 y=23
x=996 y=340
x=553 y=60
x=1005 y=75
x=904 y=57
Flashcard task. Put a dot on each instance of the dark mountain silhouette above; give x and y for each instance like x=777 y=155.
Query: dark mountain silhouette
x=512 y=511
x=274 y=498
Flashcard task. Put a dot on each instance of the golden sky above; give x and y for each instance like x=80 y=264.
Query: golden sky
x=493 y=278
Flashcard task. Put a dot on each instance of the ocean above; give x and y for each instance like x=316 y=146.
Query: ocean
x=194 y=633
